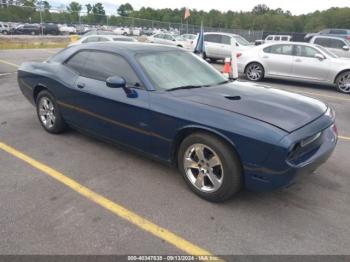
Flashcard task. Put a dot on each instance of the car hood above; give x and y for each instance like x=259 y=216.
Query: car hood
x=285 y=110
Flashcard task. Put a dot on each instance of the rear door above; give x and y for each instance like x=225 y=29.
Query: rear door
x=226 y=46
x=278 y=59
x=307 y=66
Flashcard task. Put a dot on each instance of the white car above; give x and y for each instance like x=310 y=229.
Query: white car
x=4 y=28
x=218 y=45
x=67 y=30
x=338 y=45
x=278 y=38
x=166 y=39
x=296 y=61
x=122 y=31
x=102 y=38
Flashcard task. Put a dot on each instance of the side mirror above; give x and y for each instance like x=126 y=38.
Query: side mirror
x=320 y=56
x=346 y=48
x=115 y=82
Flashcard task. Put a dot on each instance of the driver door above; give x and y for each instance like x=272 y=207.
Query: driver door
x=112 y=113
x=307 y=66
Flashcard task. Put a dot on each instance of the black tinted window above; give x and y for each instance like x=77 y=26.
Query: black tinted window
x=101 y=65
x=77 y=62
x=212 y=38
x=279 y=49
x=337 y=43
x=322 y=42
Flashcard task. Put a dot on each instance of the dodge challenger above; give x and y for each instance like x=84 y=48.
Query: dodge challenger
x=172 y=106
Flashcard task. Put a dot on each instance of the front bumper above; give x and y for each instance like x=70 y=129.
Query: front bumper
x=279 y=172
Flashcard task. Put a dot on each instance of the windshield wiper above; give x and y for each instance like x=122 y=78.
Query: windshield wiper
x=185 y=87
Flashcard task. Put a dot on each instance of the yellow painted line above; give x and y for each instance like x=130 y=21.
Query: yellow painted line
x=8 y=63
x=115 y=208
x=344 y=137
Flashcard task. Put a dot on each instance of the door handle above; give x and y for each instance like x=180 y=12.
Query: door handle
x=265 y=56
x=80 y=85
x=298 y=60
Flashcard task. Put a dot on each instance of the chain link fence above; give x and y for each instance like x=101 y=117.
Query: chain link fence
x=70 y=22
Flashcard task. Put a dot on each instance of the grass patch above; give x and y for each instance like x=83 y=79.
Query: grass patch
x=31 y=45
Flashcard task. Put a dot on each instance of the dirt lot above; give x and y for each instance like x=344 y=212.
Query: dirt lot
x=40 y=215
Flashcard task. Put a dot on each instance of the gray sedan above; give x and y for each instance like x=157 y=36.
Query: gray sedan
x=296 y=61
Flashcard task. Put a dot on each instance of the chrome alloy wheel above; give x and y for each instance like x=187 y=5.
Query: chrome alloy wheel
x=47 y=112
x=254 y=72
x=203 y=168
x=344 y=83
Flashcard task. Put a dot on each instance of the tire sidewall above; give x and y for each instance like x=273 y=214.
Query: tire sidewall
x=232 y=180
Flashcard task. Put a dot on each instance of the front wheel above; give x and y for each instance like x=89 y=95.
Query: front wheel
x=254 y=72
x=210 y=167
x=343 y=82
x=49 y=114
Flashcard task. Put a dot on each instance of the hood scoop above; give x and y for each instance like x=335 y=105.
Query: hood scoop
x=233 y=98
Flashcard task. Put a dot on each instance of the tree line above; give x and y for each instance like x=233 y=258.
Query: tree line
x=261 y=17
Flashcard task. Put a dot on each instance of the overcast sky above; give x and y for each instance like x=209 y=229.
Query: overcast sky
x=295 y=6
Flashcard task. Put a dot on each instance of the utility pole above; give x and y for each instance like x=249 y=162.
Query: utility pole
x=41 y=17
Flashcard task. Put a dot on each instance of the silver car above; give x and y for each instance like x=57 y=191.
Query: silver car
x=338 y=45
x=218 y=45
x=103 y=38
x=296 y=61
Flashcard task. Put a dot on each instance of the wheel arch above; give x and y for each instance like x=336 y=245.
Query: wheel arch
x=37 y=89
x=343 y=71
x=189 y=130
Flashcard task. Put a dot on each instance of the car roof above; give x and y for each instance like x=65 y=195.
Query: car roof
x=329 y=36
x=110 y=36
x=287 y=43
x=220 y=33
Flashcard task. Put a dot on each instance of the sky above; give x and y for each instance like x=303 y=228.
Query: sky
x=297 y=7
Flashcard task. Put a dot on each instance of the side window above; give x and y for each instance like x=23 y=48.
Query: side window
x=159 y=36
x=338 y=32
x=77 y=62
x=101 y=65
x=325 y=42
x=212 y=38
x=279 y=49
x=226 y=40
x=336 y=43
x=168 y=37
x=277 y=38
x=103 y=39
x=92 y=39
x=306 y=51
x=269 y=38
x=284 y=38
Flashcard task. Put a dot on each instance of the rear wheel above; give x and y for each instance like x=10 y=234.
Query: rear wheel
x=48 y=113
x=343 y=82
x=254 y=72
x=210 y=167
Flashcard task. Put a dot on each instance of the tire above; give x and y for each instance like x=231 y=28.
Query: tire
x=220 y=164
x=342 y=83
x=254 y=72
x=49 y=114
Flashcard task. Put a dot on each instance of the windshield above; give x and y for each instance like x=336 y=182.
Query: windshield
x=329 y=53
x=174 y=69
x=241 y=40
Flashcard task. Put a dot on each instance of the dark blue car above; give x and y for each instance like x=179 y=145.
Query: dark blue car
x=175 y=107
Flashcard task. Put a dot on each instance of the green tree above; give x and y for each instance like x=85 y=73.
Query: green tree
x=74 y=8
x=125 y=9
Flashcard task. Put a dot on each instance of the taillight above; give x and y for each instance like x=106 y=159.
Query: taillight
x=335 y=130
x=348 y=37
x=238 y=55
